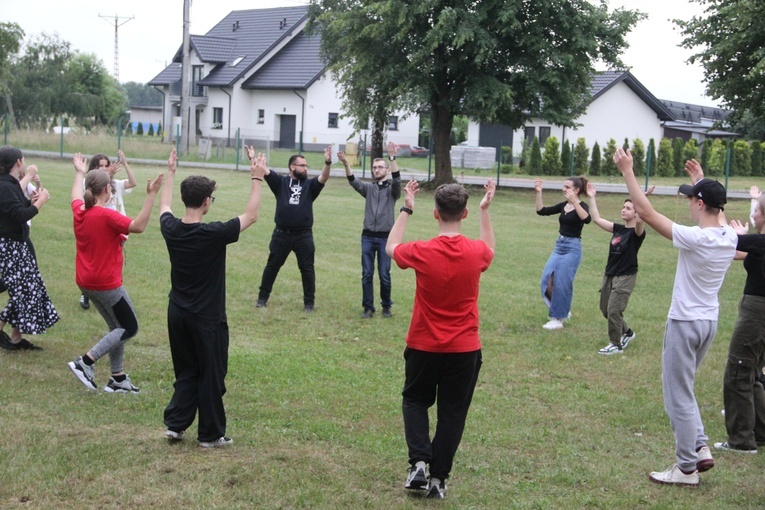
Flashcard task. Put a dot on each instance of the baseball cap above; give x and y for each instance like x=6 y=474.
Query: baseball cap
x=711 y=192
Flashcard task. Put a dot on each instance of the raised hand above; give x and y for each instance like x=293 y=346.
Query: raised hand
x=591 y=191
x=754 y=192
x=258 y=166
x=623 y=160
x=328 y=154
x=392 y=149
x=341 y=157
x=79 y=163
x=172 y=161
x=741 y=229
x=490 y=188
x=410 y=190
x=155 y=185
x=694 y=170
x=538 y=185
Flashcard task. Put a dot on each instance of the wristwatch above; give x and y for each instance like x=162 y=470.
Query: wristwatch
x=391 y=158
x=407 y=210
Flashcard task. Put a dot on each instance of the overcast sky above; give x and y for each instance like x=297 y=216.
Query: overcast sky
x=149 y=40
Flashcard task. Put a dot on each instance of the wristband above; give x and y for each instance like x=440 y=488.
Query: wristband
x=391 y=158
x=257 y=179
x=328 y=163
x=407 y=210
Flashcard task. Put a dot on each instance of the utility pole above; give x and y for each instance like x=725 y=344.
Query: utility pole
x=117 y=25
x=185 y=79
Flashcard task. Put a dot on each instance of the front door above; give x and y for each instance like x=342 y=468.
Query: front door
x=287 y=125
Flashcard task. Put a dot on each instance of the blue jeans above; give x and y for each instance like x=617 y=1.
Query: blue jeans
x=561 y=267
x=371 y=246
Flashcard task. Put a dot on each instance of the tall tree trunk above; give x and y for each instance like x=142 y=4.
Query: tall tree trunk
x=9 y=103
x=378 y=134
x=441 y=129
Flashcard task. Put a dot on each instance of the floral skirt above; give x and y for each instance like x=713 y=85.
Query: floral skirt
x=29 y=308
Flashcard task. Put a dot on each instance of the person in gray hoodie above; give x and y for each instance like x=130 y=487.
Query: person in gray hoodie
x=381 y=195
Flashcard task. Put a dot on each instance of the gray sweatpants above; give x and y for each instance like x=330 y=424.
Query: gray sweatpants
x=117 y=310
x=685 y=345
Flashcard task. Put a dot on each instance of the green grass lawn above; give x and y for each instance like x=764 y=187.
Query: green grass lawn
x=314 y=402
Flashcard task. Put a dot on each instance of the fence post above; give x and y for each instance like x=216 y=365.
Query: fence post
x=61 y=147
x=119 y=133
x=647 y=169
x=364 y=158
x=499 y=159
x=5 y=129
x=178 y=140
x=238 y=146
x=727 y=165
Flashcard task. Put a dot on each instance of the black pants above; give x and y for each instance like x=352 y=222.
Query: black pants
x=282 y=243
x=200 y=361
x=447 y=379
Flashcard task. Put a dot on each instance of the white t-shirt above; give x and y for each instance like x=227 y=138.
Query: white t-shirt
x=118 y=189
x=704 y=257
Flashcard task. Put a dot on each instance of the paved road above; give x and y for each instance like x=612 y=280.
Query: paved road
x=504 y=181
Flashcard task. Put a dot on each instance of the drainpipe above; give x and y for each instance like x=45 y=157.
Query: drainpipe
x=228 y=134
x=302 y=120
x=164 y=120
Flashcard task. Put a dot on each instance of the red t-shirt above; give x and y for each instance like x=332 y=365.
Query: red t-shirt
x=445 y=314
x=99 y=233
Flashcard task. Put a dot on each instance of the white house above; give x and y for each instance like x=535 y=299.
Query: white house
x=620 y=107
x=258 y=73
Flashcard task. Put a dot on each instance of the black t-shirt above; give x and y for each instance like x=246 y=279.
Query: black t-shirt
x=754 y=263
x=623 y=250
x=198 y=264
x=570 y=222
x=294 y=200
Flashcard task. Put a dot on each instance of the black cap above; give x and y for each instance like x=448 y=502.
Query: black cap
x=711 y=192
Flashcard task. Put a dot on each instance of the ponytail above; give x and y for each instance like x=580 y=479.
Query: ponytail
x=95 y=184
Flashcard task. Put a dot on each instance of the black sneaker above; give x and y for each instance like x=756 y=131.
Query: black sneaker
x=416 y=478
x=627 y=337
x=308 y=308
x=84 y=302
x=5 y=342
x=368 y=313
x=386 y=312
x=262 y=303
x=436 y=489
x=84 y=373
x=125 y=386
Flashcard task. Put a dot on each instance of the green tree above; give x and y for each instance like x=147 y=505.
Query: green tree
x=678 y=163
x=502 y=62
x=551 y=164
x=139 y=129
x=690 y=151
x=741 y=160
x=535 y=158
x=757 y=170
x=159 y=129
x=718 y=153
x=706 y=152
x=151 y=130
x=140 y=94
x=638 y=156
x=609 y=167
x=11 y=36
x=727 y=39
x=581 y=157
x=129 y=129
x=626 y=144
x=565 y=158
x=595 y=164
x=650 y=158
x=664 y=164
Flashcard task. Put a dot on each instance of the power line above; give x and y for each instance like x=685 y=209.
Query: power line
x=117 y=23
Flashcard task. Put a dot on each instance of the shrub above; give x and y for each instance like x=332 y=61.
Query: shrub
x=706 y=152
x=664 y=166
x=565 y=158
x=535 y=158
x=139 y=129
x=716 y=159
x=151 y=130
x=756 y=159
x=595 y=163
x=507 y=155
x=129 y=129
x=581 y=157
x=551 y=158
x=159 y=129
x=678 y=162
x=609 y=167
x=741 y=160
x=638 y=156
x=650 y=158
x=690 y=151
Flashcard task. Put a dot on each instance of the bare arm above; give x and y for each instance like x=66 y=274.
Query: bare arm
x=344 y=161
x=29 y=175
x=166 y=199
x=132 y=183
x=603 y=223
x=643 y=207
x=79 y=176
x=487 y=231
x=257 y=172
x=324 y=176
x=139 y=223
x=396 y=235
x=538 y=189
x=392 y=150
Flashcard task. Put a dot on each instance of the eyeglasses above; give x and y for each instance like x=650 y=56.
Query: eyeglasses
x=304 y=165
x=212 y=199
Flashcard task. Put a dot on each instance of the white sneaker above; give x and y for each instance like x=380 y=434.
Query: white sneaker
x=554 y=324
x=611 y=349
x=627 y=338
x=568 y=317
x=174 y=435
x=218 y=443
x=673 y=476
x=705 y=462
x=416 y=478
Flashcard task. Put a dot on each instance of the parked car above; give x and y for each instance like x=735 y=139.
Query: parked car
x=420 y=152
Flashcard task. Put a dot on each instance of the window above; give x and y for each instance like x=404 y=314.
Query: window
x=261 y=116
x=544 y=134
x=236 y=61
x=393 y=123
x=197 y=90
x=529 y=132
x=332 y=122
x=217 y=118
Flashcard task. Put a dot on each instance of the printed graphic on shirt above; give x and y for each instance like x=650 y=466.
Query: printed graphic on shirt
x=296 y=190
